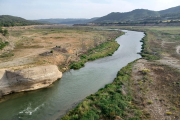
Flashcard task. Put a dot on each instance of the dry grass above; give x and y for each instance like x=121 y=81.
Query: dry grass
x=31 y=41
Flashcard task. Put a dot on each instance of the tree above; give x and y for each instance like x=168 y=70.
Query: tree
x=12 y=24
x=5 y=32
x=1 y=31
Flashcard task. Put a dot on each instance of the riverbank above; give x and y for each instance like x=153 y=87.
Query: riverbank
x=114 y=101
x=102 y=50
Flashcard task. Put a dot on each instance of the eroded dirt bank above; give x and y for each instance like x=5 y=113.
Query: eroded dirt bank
x=28 y=79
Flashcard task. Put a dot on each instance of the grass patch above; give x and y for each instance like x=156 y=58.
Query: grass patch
x=147 y=53
x=58 y=37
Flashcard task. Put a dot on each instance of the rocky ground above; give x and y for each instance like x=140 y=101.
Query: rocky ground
x=156 y=91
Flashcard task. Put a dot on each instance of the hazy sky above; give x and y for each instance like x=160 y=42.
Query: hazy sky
x=37 y=9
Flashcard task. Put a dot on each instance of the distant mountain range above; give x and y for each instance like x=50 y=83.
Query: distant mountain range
x=67 y=21
x=139 y=15
x=142 y=15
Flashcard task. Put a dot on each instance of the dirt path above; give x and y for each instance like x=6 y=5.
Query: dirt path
x=163 y=43
x=168 y=60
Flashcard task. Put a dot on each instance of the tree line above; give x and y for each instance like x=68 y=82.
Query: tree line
x=8 y=21
x=11 y=24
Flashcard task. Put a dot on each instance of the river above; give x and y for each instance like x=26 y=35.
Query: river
x=74 y=86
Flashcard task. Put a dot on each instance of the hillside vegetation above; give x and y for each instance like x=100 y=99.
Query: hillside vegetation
x=170 y=10
x=7 y=20
x=133 y=15
x=67 y=21
x=137 y=15
x=140 y=15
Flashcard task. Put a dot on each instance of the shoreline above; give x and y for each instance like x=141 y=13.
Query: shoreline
x=73 y=114
x=117 y=87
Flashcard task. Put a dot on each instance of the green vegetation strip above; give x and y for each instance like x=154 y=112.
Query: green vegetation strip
x=102 y=50
x=109 y=102
x=146 y=52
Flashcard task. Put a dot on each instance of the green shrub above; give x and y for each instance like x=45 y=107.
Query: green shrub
x=83 y=57
x=5 y=32
x=75 y=117
x=1 y=31
x=77 y=65
x=145 y=71
x=169 y=113
x=3 y=44
x=150 y=102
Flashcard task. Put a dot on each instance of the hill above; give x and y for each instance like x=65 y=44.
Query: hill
x=7 y=20
x=170 y=10
x=127 y=16
x=141 y=15
x=67 y=21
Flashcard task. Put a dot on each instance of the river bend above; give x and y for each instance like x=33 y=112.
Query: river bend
x=75 y=85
